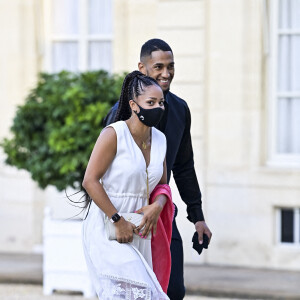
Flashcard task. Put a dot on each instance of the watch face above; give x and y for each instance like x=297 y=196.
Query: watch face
x=116 y=217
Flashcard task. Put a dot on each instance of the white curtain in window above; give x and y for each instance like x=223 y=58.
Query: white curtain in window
x=100 y=56
x=65 y=19
x=95 y=41
x=65 y=56
x=288 y=132
x=289 y=14
x=289 y=118
x=289 y=63
x=295 y=62
x=295 y=125
x=284 y=16
x=100 y=16
x=284 y=63
x=295 y=13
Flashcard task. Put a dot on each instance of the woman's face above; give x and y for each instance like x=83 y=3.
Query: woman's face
x=153 y=97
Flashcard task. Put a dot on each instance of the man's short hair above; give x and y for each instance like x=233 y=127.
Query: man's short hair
x=154 y=45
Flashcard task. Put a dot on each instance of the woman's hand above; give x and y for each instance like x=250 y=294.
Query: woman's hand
x=151 y=214
x=124 y=231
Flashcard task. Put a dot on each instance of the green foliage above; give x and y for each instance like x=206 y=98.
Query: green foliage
x=54 y=132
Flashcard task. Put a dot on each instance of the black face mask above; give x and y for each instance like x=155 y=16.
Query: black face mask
x=150 y=117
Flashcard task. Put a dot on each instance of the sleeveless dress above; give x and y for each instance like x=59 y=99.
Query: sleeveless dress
x=124 y=271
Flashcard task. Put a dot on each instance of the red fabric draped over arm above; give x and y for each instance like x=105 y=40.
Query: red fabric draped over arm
x=160 y=243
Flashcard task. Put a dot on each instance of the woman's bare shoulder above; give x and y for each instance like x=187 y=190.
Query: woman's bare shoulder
x=108 y=137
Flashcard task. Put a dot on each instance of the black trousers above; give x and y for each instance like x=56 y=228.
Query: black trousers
x=176 y=289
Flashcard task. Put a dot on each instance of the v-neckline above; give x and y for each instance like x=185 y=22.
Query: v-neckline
x=139 y=149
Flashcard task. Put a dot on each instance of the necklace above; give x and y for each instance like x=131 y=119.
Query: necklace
x=144 y=145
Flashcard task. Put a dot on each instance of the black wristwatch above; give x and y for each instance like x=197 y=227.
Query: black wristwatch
x=115 y=218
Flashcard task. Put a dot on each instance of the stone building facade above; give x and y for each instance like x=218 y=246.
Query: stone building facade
x=236 y=64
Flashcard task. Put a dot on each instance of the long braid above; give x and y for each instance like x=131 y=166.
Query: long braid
x=133 y=86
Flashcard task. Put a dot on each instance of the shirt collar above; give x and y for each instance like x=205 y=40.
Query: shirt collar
x=166 y=96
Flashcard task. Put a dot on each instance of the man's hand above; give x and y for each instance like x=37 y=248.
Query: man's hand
x=202 y=228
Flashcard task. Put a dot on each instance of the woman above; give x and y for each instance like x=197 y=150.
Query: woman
x=127 y=163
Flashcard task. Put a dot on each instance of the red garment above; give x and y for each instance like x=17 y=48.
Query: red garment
x=160 y=243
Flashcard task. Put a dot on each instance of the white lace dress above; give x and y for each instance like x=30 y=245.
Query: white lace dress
x=124 y=271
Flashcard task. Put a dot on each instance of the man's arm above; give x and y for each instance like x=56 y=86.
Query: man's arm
x=186 y=180
x=185 y=175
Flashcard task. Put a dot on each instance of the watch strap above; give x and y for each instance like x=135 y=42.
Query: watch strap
x=115 y=218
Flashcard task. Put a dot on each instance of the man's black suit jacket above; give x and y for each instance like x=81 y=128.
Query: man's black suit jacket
x=176 y=125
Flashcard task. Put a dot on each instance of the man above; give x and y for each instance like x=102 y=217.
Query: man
x=156 y=61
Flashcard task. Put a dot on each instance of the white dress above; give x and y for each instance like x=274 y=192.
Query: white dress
x=124 y=271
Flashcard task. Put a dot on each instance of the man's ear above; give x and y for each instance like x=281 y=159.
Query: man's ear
x=142 y=68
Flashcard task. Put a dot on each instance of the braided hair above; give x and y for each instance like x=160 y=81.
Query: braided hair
x=133 y=86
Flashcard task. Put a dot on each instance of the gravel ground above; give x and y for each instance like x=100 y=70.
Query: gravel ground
x=35 y=292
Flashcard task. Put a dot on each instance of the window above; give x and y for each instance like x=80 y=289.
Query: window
x=288 y=225
x=285 y=81
x=78 y=34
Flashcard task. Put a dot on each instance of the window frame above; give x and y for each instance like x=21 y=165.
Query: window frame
x=276 y=159
x=83 y=37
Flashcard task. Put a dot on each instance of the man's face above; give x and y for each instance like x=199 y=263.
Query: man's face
x=160 y=66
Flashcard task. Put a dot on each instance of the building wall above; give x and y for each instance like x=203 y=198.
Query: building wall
x=242 y=191
x=181 y=25
x=221 y=71
x=19 y=60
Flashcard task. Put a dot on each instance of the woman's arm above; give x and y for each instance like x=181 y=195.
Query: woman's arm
x=151 y=212
x=163 y=179
x=101 y=158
